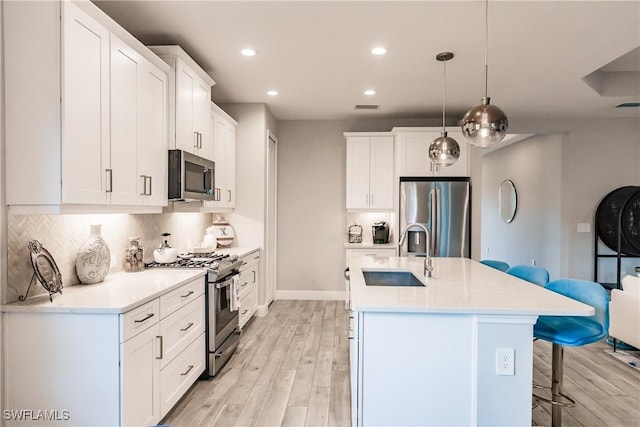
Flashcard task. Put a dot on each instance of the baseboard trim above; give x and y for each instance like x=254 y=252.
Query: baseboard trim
x=262 y=310
x=311 y=295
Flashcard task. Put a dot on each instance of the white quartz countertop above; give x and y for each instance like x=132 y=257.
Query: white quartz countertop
x=370 y=245
x=237 y=250
x=457 y=285
x=120 y=292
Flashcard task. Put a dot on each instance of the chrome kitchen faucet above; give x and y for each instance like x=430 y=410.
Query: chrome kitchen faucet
x=428 y=268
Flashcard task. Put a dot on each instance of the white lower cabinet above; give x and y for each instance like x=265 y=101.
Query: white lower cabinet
x=140 y=377
x=249 y=279
x=177 y=377
x=101 y=368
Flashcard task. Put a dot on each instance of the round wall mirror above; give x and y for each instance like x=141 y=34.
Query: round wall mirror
x=507 y=200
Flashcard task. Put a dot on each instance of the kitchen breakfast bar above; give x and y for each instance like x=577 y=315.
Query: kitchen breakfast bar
x=452 y=349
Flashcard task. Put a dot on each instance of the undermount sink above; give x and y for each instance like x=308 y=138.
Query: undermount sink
x=390 y=278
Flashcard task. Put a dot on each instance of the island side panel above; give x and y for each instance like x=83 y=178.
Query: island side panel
x=417 y=369
x=50 y=365
x=504 y=400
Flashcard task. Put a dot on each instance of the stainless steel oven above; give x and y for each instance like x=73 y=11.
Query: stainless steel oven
x=222 y=318
x=224 y=331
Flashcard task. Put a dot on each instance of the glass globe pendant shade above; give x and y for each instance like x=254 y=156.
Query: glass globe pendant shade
x=444 y=151
x=484 y=125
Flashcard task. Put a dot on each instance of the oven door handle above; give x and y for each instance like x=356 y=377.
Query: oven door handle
x=224 y=284
x=230 y=349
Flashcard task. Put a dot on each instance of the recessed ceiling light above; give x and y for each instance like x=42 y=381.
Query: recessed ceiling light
x=249 y=52
x=378 y=50
x=272 y=92
x=369 y=92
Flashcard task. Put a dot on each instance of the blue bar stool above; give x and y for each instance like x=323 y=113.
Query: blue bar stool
x=530 y=273
x=572 y=331
x=494 y=263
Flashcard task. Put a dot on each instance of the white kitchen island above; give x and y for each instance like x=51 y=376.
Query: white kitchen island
x=429 y=355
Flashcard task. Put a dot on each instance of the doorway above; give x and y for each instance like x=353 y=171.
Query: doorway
x=271 y=238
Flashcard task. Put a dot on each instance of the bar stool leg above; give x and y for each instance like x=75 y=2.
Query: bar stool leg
x=557 y=356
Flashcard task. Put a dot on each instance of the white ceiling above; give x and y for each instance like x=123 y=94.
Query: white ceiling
x=317 y=53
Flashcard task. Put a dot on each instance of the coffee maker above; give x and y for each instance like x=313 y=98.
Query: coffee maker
x=380 y=231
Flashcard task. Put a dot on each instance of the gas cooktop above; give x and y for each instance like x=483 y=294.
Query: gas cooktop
x=218 y=265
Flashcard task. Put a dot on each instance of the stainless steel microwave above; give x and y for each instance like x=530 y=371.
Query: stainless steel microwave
x=190 y=177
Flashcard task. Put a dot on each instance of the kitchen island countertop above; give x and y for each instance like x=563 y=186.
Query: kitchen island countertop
x=457 y=285
x=118 y=293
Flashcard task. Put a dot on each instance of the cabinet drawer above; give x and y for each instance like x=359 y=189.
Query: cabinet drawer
x=137 y=320
x=248 y=304
x=180 y=328
x=245 y=309
x=250 y=259
x=184 y=370
x=178 y=298
x=245 y=283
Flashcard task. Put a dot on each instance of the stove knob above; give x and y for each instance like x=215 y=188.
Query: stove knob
x=215 y=265
x=233 y=258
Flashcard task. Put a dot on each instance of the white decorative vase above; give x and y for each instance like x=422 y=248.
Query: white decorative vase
x=94 y=259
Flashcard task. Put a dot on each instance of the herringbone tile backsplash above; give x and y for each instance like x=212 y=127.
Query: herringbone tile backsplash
x=62 y=236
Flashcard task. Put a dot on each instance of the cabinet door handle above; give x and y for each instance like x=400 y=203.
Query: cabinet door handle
x=367 y=199
x=147 y=317
x=187 y=328
x=109 y=180
x=195 y=139
x=371 y=199
x=150 y=182
x=244 y=312
x=186 y=295
x=244 y=284
x=161 y=347
x=199 y=140
x=229 y=191
x=254 y=276
x=187 y=371
x=144 y=185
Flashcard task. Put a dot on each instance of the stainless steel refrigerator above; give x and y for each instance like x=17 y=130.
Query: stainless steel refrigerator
x=443 y=206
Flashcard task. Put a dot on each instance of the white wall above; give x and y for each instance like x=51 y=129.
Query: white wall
x=249 y=215
x=565 y=171
x=534 y=166
x=312 y=222
x=597 y=156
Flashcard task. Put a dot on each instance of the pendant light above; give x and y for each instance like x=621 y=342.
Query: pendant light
x=444 y=150
x=485 y=125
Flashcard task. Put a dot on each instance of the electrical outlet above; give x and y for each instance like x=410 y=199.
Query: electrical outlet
x=505 y=361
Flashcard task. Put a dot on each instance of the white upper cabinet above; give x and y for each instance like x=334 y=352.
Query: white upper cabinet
x=86 y=173
x=125 y=67
x=75 y=124
x=138 y=128
x=412 y=153
x=223 y=129
x=369 y=171
x=152 y=135
x=189 y=103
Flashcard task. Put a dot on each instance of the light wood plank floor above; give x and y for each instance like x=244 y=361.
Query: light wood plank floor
x=292 y=369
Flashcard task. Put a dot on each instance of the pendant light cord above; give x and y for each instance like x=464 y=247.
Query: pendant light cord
x=444 y=95
x=486 y=49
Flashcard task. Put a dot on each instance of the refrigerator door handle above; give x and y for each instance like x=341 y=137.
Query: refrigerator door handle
x=434 y=195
